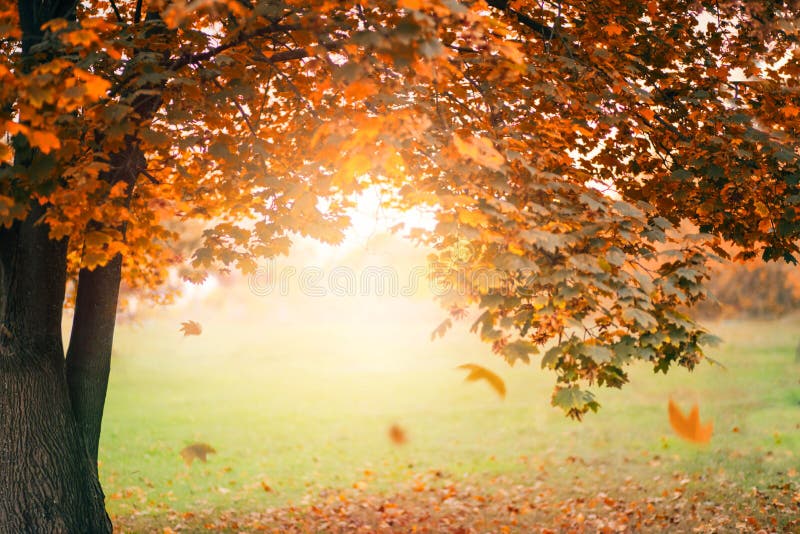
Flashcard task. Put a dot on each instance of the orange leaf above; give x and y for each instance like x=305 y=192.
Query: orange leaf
x=410 y=4
x=477 y=372
x=397 y=434
x=360 y=89
x=81 y=38
x=44 y=141
x=647 y=113
x=191 y=328
x=96 y=86
x=689 y=428
x=613 y=29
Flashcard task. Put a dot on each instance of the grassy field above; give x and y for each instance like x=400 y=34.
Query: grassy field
x=297 y=397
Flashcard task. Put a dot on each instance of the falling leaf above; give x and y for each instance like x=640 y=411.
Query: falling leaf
x=689 y=428
x=397 y=434
x=191 y=328
x=196 y=451
x=442 y=329
x=266 y=487
x=476 y=372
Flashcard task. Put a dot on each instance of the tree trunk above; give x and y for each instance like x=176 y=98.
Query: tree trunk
x=89 y=353
x=47 y=480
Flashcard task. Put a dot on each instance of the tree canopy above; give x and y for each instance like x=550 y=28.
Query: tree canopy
x=562 y=144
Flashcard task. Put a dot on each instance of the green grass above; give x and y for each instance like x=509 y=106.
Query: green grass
x=299 y=395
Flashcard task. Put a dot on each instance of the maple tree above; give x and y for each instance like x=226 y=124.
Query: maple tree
x=560 y=144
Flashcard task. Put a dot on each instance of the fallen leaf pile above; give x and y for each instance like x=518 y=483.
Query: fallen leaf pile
x=431 y=504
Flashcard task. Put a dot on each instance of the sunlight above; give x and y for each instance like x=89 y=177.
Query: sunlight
x=371 y=217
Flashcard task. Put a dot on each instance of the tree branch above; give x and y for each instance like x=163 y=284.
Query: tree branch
x=116 y=11
x=188 y=59
x=542 y=29
x=239 y=107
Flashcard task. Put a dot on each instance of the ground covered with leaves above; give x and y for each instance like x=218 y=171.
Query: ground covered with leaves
x=434 y=502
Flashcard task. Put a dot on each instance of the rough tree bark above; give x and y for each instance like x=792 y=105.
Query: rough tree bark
x=47 y=481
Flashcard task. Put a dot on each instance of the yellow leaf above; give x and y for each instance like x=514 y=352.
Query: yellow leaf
x=477 y=372
x=689 y=428
x=472 y=218
x=516 y=249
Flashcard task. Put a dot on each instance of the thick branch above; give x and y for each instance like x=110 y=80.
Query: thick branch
x=89 y=353
x=188 y=59
x=542 y=29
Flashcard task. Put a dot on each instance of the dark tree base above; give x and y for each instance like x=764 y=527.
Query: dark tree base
x=47 y=482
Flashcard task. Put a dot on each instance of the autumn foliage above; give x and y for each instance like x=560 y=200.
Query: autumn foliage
x=562 y=143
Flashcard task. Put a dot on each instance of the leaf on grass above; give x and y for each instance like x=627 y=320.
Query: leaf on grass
x=689 y=428
x=191 y=328
x=476 y=372
x=397 y=434
x=196 y=451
